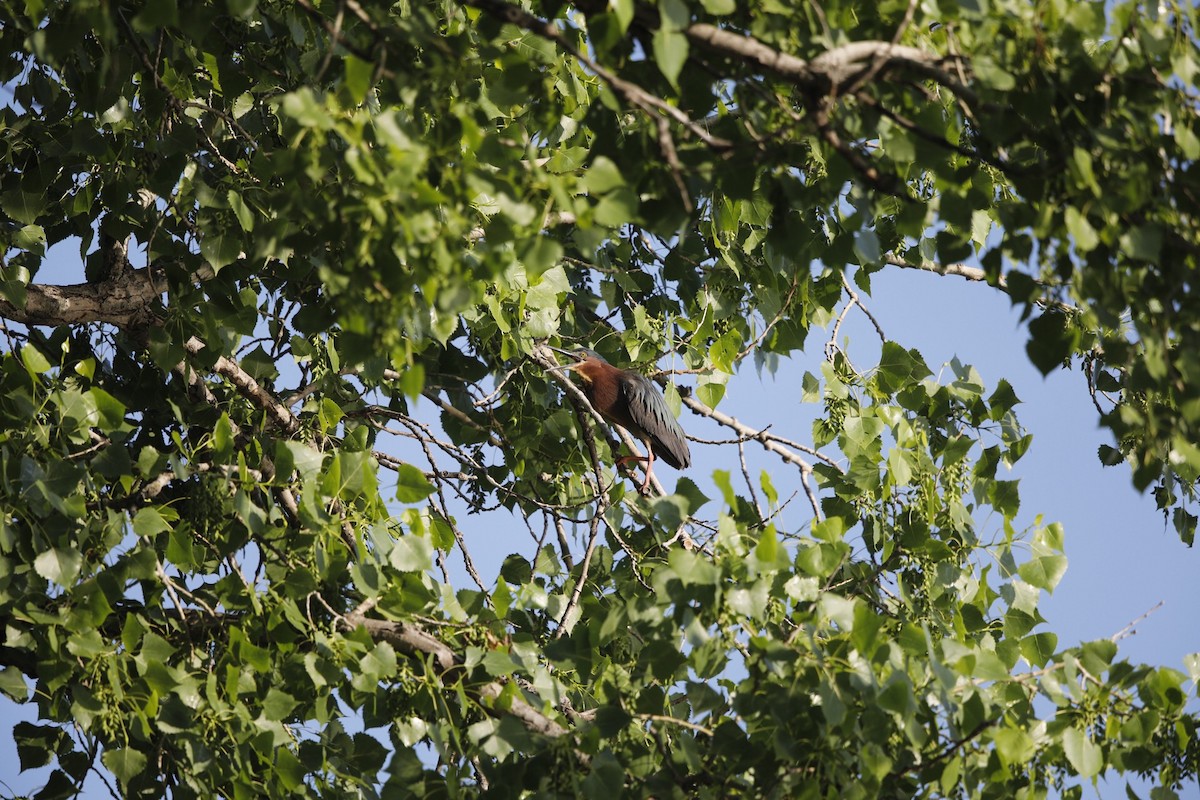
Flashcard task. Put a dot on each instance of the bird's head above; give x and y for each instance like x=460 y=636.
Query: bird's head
x=585 y=361
x=579 y=356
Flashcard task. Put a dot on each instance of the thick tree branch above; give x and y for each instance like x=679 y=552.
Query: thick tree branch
x=130 y=300
x=833 y=71
x=961 y=270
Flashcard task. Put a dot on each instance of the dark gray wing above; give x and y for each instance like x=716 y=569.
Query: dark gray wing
x=649 y=411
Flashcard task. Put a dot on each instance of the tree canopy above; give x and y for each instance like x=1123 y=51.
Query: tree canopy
x=302 y=368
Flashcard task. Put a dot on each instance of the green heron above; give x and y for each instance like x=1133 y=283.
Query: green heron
x=631 y=400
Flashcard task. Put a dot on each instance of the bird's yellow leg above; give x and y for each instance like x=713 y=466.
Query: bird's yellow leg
x=648 y=460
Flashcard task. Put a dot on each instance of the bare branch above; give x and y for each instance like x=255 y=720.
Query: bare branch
x=783 y=448
x=462 y=417
x=1131 y=628
x=856 y=300
x=565 y=622
x=962 y=270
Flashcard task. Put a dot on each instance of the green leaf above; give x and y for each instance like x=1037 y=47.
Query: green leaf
x=223 y=437
x=992 y=75
x=302 y=457
x=1051 y=341
x=820 y=559
x=220 y=249
x=766 y=551
x=498 y=663
x=1005 y=498
x=899 y=368
x=617 y=208
x=710 y=392
x=33 y=360
x=159 y=14
x=1085 y=755
x=542 y=254
x=866 y=247
x=1014 y=746
x=278 y=704
x=1082 y=233
x=602 y=177
x=112 y=410
x=1039 y=648
x=623 y=9
x=302 y=106
x=12 y=683
x=1192 y=662
x=695 y=498
x=125 y=763
x=516 y=570
x=59 y=564
x=23 y=206
x=1188 y=142
x=750 y=603
x=670 y=53
x=358 y=77
x=355 y=471
x=241 y=8
x=1044 y=572
x=441 y=533
x=1143 y=243
x=31 y=238
x=411 y=484
x=411 y=553
x=692 y=569
x=148 y=521
x=245 y=216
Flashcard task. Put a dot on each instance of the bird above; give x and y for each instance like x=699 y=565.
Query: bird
x=629 y=399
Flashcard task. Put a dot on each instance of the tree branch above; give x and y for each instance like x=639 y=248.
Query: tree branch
x=961 y=270
x=834 y=69
x=415 y=642
x=130 y=300
x=771 y=442
x=249 y=388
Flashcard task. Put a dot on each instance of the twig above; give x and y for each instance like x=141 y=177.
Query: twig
x=490 y=398
x=634 y=562
x=336 y=35
x=783 y=307
x=858 y=302
x=565 y=623
x=1130 y=629
x=462 y=417
x=741 y=446
x=683 y=723
x=776 y=444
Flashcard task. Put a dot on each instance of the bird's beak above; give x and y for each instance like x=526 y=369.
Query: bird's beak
x=575 y=362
